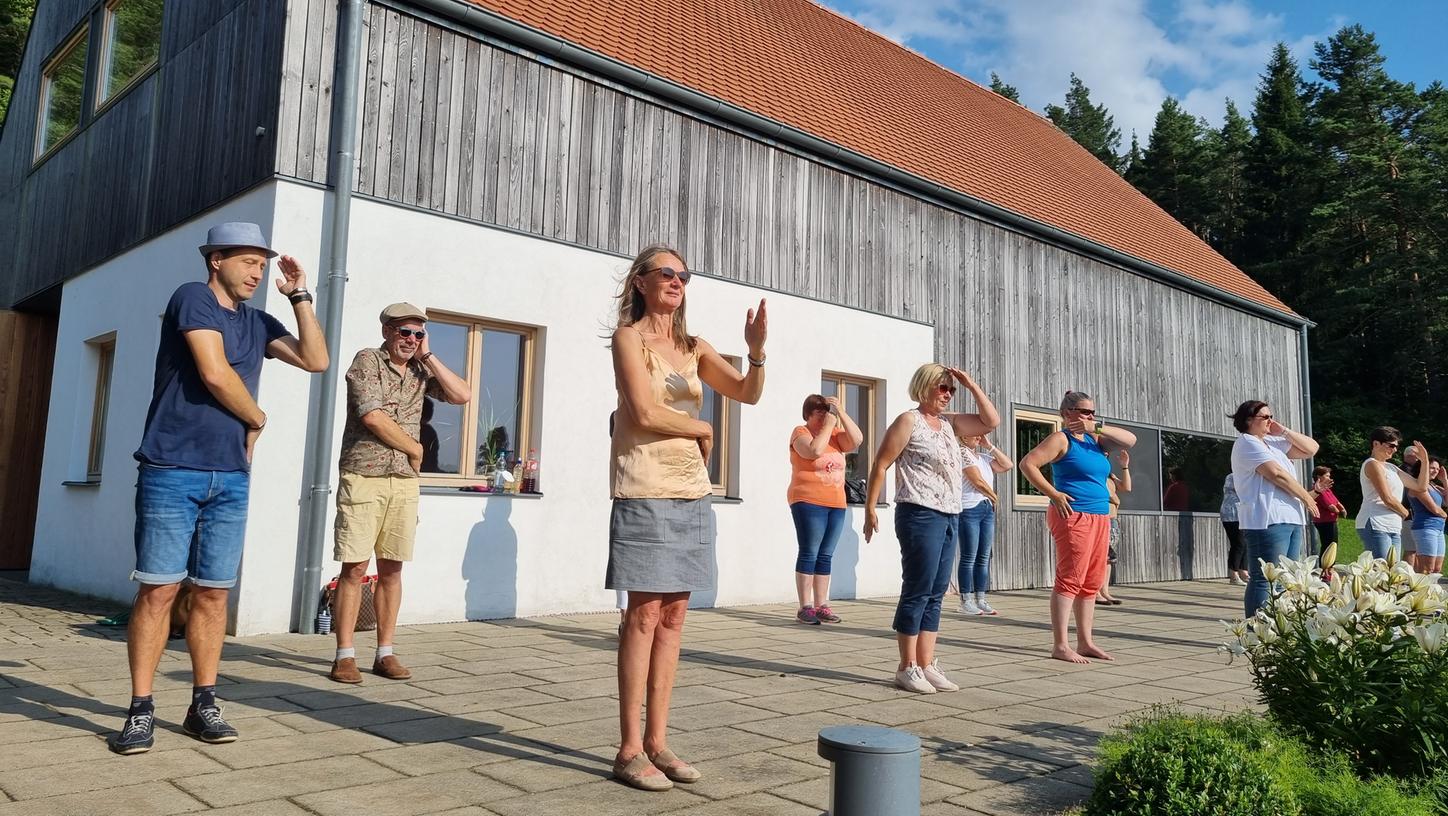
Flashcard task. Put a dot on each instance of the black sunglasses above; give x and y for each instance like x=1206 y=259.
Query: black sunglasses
x=1267 y=417
x=670 y=273
x=1091 y=412
x=946 y=388
x=418 y=333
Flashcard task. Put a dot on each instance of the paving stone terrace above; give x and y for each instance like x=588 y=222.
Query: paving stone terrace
x=517 y=717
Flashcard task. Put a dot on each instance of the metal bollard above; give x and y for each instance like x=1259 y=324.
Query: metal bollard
x=874 y=771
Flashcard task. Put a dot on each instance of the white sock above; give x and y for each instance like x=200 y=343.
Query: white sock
x=350 y=651
x=383 y=651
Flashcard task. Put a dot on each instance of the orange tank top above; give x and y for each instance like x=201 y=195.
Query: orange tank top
x=821 y=480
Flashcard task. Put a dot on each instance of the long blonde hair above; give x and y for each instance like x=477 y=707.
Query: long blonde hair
x=631 y=305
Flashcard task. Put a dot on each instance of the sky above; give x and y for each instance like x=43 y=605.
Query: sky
x=1134 y=53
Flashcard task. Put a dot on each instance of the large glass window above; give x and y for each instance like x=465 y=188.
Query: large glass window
x=857 y=397
x=131 y=44
x=1032 y=428
x=62 y=91
x=467 y=443
x=1145 y=468
x=1193 y=470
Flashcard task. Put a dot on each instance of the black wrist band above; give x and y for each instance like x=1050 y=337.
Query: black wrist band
x=756 y=363
x=300 y=296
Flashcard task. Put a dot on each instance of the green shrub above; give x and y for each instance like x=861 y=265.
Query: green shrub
x=1172 y=764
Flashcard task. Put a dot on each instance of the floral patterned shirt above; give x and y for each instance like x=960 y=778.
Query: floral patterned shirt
x=928 y=470
x=374 y=384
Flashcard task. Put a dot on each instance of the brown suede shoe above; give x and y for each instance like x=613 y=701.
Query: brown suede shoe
x=391 y=668
x=345 y=671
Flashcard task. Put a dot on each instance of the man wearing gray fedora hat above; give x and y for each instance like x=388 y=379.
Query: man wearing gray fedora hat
x=195 y=462
x=377 y=493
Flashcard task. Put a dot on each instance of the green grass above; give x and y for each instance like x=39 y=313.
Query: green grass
x=1349 y=546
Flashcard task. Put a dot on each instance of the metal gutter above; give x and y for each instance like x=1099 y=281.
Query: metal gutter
x=341 y=170
x=556 y=48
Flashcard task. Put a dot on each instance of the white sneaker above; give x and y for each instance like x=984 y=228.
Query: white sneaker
x=935 y=677
x=1235 y=581
x=985 y=608
x=913 y=679
x=969 y=607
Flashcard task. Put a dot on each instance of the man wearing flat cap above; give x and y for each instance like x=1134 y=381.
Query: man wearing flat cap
x=377 y=493
x=195 y=463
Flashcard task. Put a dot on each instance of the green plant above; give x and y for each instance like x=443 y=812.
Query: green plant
x=1356 y=666
x=1168 y=764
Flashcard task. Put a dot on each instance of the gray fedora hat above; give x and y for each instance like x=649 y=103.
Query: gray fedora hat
x=235 y=234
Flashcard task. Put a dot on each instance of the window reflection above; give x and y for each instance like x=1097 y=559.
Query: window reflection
x=1195 y=469
x=450 y=343
x=500 y=403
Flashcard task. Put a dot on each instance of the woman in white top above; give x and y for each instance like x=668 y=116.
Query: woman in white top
x=980 y=462
x=1380 y=521
x=927 y=502
x=1270 y=500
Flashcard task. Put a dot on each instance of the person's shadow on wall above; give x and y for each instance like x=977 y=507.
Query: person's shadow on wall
x=1186 y=545
x=490 y=564
x=844 y=583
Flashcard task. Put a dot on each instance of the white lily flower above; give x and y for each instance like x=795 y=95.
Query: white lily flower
x=1431 y=637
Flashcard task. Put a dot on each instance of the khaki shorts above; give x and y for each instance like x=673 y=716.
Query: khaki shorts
x=375 y=514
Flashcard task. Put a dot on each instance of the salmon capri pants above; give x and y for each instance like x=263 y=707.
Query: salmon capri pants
x=1081 y=544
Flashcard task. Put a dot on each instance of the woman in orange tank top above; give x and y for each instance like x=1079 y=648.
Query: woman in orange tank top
x=816 y=498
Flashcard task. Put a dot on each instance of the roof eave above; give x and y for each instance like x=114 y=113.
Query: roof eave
x=552 y=47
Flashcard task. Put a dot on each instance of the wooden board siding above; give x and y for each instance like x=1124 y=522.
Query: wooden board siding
x=27 y=356
x=460 y=127
x=183 y=140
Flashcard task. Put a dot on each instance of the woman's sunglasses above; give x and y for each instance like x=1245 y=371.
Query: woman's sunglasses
x=946 y=388
x=670 y=273
x=1090 y=412
x=418 y=333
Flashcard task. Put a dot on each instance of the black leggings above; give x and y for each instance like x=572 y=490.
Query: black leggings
x=1236 y=553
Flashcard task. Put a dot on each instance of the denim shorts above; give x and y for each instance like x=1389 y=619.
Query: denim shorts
x=1430 y=542
x=190 y=523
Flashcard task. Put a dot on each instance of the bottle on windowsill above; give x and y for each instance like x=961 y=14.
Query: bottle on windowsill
x=530 y=472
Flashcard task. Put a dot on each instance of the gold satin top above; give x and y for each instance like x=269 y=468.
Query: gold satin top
x=648 y=465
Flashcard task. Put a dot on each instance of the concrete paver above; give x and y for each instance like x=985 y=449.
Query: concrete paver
x=519 y=716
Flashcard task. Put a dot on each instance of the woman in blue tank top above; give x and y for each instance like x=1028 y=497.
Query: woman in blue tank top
x=1079 y=518
x=1428 y=520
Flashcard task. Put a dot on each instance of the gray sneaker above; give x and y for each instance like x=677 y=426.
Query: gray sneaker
x=806 y=615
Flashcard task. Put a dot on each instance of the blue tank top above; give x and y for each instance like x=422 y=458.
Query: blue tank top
x=1081 y=474
x=1423 y=519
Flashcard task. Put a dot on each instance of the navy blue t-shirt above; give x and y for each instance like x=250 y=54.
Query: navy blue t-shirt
x=186 y=426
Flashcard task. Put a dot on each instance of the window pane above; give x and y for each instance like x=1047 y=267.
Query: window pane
x=442 y=424
x=829 y=387
x=1145 y=468
x=714 y=412
x=1195 y=468
x=857 y=405
x=105 y=355
x=135 y=42
x=64 y=88
x=500 y=399
x=1029 y=434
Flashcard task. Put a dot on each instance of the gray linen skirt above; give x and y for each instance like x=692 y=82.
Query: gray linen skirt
x=661 y=545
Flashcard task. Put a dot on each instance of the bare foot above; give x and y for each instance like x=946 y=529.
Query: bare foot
x=1094 y=651
x=1067 y=654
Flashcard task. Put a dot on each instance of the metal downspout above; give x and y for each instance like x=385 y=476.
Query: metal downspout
x=339 y=191
x=1306 y=375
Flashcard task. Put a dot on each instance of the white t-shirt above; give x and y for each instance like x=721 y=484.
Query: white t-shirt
x=1375 y=515
x=969 y=457
x=1260 y=502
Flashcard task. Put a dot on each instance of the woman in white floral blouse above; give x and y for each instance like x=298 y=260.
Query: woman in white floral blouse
x=927 y=503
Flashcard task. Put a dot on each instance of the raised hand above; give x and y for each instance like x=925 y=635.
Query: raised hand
x=1123 y=457
x=756 y=329
x=961 y=377
x=293 y=276
x=1077 y=424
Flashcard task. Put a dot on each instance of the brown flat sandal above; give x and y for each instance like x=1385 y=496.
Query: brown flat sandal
x=675 y=768
x=631 y=773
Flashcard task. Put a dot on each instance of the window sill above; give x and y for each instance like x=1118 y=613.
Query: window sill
x=862 y=504
x=717 y=499
x=80 y=483
x=439 y=490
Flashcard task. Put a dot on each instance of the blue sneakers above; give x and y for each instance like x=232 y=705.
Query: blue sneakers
x=136 y=736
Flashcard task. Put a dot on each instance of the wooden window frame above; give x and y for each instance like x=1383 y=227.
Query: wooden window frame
x=105 y=350
x=1019 y=499
x=82 y=33
x=868 y=444
x=105 y=99
x=724 y=441
x=473 y=376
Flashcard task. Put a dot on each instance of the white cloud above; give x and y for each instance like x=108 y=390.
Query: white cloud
x=1128 y=53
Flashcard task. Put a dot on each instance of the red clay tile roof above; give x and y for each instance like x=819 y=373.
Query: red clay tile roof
x=808 y=67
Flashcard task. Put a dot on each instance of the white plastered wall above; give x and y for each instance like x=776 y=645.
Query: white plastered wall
x=477 y=557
